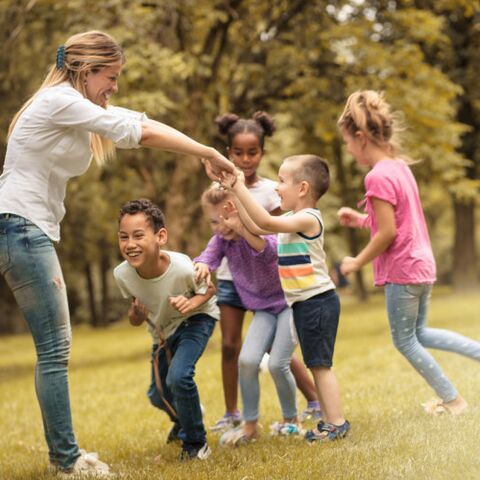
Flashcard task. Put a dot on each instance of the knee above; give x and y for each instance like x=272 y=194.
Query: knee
x=248 y=365
x=278 y=367
x=230 y=350
x=179 y=381
x=405 y=345
x=57 y=353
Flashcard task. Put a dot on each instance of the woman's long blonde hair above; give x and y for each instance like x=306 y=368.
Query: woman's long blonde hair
x=84 y=52
x=367 y=111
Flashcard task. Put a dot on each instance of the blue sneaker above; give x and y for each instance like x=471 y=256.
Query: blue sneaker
x=326 y=432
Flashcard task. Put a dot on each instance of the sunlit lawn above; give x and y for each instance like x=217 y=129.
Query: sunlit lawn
x=391 y=437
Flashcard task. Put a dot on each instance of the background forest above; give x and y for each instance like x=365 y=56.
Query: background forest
x=190 y=60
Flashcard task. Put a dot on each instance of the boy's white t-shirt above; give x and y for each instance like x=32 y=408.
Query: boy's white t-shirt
x=265 y=193
x=154 y=293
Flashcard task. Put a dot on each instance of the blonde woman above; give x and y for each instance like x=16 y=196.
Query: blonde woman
x=51 y=139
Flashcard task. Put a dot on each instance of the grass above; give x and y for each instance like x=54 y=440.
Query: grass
x=391 y=437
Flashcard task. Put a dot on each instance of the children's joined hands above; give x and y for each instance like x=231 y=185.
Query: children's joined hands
x=229 y=180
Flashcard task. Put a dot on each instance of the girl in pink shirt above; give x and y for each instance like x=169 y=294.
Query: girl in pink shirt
x=399 y=246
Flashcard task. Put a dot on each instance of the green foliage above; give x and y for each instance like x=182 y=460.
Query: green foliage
x=189 y=61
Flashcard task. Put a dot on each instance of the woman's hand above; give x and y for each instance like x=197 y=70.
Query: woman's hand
x=218 y=164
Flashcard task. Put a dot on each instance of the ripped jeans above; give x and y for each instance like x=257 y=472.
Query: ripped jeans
x=407 y=307
x=30 y=265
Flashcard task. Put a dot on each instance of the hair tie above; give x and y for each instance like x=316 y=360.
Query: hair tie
x=60 y=57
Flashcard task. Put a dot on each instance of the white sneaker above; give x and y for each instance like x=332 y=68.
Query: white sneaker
x=87 y=464
x=190 y=453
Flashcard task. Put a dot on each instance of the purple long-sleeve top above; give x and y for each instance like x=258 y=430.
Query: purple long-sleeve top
x=255 y=274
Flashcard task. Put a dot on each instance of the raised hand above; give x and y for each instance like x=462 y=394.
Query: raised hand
x=348 y=217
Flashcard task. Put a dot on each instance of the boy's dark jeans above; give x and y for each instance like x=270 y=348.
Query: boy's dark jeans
x=179 y=389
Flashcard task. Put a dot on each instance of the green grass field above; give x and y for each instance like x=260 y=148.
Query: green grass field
x=391 y=436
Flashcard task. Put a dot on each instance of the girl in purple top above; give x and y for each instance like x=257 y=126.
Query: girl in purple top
x=399 y=246
x=253 y=262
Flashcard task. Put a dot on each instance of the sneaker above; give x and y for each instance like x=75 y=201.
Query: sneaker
x=173 y=434
x=236 y=437
x=190 y=452
x=326 y=432
x=227 y=422
x=284 y=429
x=310 y=414
x=87 y=465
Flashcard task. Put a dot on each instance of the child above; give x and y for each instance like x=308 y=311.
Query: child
x=245 y=145
x=252 y=260
x=303 y=179
x=180 y=315
x=400 y=248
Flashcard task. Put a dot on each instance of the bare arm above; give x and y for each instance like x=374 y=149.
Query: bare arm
x=164 y=137
x=247 y=220
x=294 y=223
x=186 y=305
x=232 y=220
x=383 y=238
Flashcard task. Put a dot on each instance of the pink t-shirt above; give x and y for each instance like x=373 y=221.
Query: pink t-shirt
x=409 y=259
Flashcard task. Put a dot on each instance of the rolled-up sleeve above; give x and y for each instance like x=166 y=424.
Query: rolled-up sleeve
x=121 y=125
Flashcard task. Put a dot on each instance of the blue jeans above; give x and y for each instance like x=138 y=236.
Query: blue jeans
x=29 y=263
x=407 y=307
x=186 y=345
x=268 y=332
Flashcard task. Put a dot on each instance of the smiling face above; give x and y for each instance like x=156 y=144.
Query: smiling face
x=288 y=188
x=102 y=84
x=246 y=153
x=214 y=214
x=140 y=245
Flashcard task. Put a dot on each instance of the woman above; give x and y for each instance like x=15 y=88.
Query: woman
x=51 y=139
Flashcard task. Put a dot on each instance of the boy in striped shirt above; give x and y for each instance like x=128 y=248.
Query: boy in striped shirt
x=309 y=290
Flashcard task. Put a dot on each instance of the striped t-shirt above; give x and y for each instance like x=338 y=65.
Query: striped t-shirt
x=302 y=263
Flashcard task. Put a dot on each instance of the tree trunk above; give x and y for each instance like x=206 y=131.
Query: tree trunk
x=91 y=295
x=104 y=276
x=464 y=274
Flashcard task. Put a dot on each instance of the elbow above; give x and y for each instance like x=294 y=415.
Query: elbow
x=390 y=236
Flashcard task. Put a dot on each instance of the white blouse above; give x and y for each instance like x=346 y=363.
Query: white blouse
x=51 y=144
